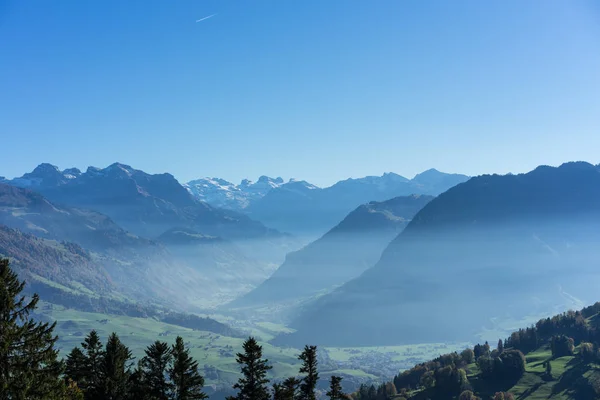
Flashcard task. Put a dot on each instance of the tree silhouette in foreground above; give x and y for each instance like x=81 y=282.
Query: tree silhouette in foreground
x=154 y=368
x=29 y=365
x=335 y=388
x=117 y=358
x=187 y=381
x=309 y=367
x=286 y=390
x=253 y=383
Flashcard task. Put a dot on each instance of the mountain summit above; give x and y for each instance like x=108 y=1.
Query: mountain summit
x=221 y=193
x=145 y=204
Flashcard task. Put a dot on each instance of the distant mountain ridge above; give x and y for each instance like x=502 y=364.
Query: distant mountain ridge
x=145 y=204
x=304 y=209
x=343 y=253
x=492 y=242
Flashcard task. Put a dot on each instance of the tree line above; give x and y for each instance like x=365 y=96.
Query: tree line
x=30 y=367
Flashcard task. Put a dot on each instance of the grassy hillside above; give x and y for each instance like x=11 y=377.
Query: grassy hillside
x=556 y=358
x=571 y=378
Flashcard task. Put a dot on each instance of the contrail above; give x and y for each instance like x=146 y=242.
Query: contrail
x=202 y=19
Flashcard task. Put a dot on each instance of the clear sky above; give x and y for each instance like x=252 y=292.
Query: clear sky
x=320 y=90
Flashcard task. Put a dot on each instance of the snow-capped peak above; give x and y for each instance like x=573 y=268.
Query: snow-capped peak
x=222 y=193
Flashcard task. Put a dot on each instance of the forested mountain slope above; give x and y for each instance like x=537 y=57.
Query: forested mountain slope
x=556 y=358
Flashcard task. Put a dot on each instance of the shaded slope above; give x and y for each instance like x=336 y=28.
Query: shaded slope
x=67 y=264
x=512 y=243
x=139 y=268
x=344 y=252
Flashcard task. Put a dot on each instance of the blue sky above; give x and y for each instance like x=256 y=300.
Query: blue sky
x=317 y=90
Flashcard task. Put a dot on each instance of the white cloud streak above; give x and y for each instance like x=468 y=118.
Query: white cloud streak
x=205 y=18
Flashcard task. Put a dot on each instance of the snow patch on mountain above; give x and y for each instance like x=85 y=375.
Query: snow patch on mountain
x=221 y=193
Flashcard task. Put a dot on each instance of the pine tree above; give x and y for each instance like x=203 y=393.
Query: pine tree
x=500 y=346
x=290 y=388
x=309 y=367
x=75 y=366
x=154 y=369
x=335 y=388
x=138 y=388
x=253 y=383
x=29 y=366
x=187 y=381
x=372 y=392
x=93 y=368
x=278 y=393
x=117 y=360
x=286 y=390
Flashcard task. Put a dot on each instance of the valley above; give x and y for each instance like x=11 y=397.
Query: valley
x=216 y=352
x=367 y=291
x=299 y=200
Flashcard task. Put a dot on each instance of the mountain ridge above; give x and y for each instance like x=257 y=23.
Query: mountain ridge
x=345 y=251
x=145 y=204
x=529 y=229
x=311 y=210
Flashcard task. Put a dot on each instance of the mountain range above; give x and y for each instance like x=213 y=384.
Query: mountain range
x=516 y=243
x=304 y=209
x=343 y=253
x=144 y=204
x=169 y=270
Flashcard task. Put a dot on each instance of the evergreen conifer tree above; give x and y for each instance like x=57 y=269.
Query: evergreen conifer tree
x=187 y=381
x=138 y=388
x=286 y=390
x=92 y=375
x=75 y=366
x=154 y=368
x=290 y=388
x=309 y=367
x=29 y=366
x=500 y=346
x=253 y=383
x=335 y=388
x=117 y=360
x=278 y=391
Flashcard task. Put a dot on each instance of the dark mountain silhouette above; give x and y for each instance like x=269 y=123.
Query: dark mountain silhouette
x=304 y=209
x=142 y=203
x=516 y=243
x=343 y=253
